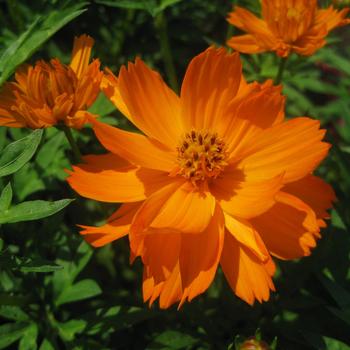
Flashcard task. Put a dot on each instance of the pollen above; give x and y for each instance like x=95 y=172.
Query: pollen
x=201 y=155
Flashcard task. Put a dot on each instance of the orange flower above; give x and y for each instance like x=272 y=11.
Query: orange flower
x=218 y=178
x=51 y=93
x=287 y=26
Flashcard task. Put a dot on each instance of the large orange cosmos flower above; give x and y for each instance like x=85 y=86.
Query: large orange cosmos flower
x=218 y=177
x=287 y=26
x=51 y=93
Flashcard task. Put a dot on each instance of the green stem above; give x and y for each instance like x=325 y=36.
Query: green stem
x=281 y=67
x=68 y=132
x=162 y=28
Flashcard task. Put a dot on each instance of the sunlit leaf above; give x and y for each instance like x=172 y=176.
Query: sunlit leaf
x=6 y=197
x=42 y=28
x=32 y=210
x=18 y=153
x=81 y=290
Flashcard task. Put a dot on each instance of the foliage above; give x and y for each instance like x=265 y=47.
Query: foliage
x=56 y=292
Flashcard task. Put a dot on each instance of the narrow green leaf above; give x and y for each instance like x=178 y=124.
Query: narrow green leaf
x=11 y=332
x=70 y=329
x=29 y=338
x=13 y=313
x=173 y=340
x=6 y=197
x=32 y=210
x=13 y=262
x=147 y=5
x=46 y=345
x=81 y=290
x=18 y=153
x=166 y=3
x=39 y=31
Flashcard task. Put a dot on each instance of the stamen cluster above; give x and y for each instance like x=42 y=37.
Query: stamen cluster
x=201 y=155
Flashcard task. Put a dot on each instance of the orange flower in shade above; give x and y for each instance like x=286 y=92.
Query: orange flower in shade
x=47 y=94
x=219 y=177
x=287 y=26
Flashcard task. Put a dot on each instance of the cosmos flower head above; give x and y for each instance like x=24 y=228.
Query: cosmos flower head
x=51 y=93
x=286 y=26
x=218 y=177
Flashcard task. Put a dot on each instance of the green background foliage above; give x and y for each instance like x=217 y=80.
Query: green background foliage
x=56 y=292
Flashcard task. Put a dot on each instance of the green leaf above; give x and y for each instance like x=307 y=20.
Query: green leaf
x=29 y=338
x=167 y=3
x=3 y=130
x=81 y=290
x=116 y=318
x=71 y=269
x=338 y=293
x=46 y=345
x=172 y=340
x=68 y=330
x=42 y=28
x=18 y=153
x=6 y=197
x=10 y=332
x=48 y=151
x=334 y=344
x=32 y=210
x=148 y=5
x=13 y=313
x=102 y=106
x=13 y=262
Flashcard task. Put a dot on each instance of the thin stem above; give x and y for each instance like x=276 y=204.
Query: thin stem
x=67 y=131
x=280 y=72
x=162 y=28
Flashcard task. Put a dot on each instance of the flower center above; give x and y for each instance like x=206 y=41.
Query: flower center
x=201 y=155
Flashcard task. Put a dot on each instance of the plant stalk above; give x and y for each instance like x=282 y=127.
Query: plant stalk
x=73 y=145
x=160 y=23
x=280 y=72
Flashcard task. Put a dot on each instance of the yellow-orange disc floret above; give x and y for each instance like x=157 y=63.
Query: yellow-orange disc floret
x=286 y=26
x=50 y=93
x=218 y=177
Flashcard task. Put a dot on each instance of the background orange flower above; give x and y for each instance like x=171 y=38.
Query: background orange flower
x=286 y=26
x=47 y=94
x=218 y=178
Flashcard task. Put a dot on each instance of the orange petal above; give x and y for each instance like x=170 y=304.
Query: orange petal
x=211 y=81
x=249 y=278
x=109 y=178
x=244 y=199
x=160 y=255
x=289 y=228
x=151 y=105
x=200 y=256
x=332 y=18
x=245 y=234
x=314 y=192
x=136 y=148
x=293 y=147
x=81 y=54
x=246 y=43
x=248 y=22
x=181 y=266
x=117 y=226
x=176 y=208
x=109 y=85
x=244 y=123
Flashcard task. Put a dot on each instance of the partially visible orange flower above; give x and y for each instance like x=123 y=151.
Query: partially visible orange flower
x=286 y=26
x=47 y=94
x=220 y=177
